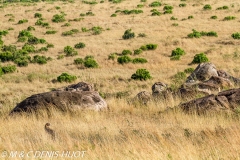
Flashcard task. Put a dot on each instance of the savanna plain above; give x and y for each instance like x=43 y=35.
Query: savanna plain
x=125 y=130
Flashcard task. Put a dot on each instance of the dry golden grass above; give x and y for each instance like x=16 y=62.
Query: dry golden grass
x=126 y=131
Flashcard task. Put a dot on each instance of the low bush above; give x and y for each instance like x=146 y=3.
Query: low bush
x=128 y=34
x=58 y=18
x=200 y=58
x=37 y=15
x=155 y=4
x=228 y=18
x=40 y=59
x=175 y=58
x=65 y=77
x=78 y=61
x=90 y=63
x=207 y=7
x=112 y=56
x=30 y=28
x=126 y=52
x=124 y=59
x=213 y=17
x=178 y=52
x=3 y=32
x=8 y=69
x=151 y=46
x=141 y=74
x=236 y=35
x=69 y=51
x=137 y=51
x=139 y=60
x=29 y=48
x=173 y=18
x=222 y=8
x=167 y=12
x=51 y=32
x=22 y=21
x=182 y=5
x=167 y=7
x=6 y=56
x=79 y=45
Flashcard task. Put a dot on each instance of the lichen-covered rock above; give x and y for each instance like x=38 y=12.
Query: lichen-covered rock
x=226 y=100
x=203 y=72
x=143 y=97
x=158 y=88
x=62 y=100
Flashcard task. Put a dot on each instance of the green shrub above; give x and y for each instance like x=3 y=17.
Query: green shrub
x=10 y=48
x=141 y=74
x=236 y=35
x=155 y=4
x=139 y=60
x=143 y=48
x=212 y=34
x=66 y=25
x=228 y=18
x=49 y=45
x=156 y=13
x=126 y=52
x=90 y=13
x=90 y=63
x=37 y=15
x=167 y=7
x=65 y=77
x=195 y=34
x=189 y=70
x=79 y=45
x=22 y=21
x=142 y=35
x=58 y=18
x=30 y=28
x=22 y=39
x=167 y=12
x=9 y=69
x=6 y=56
x=222 y=8
x=71 y=32
x=128 y=34
x=57 y=7
x=69 y=51
x=178 y=51
x=140 y=6
x=40 y=59
x=190 y=17
x=114 y=15
x=207 y=7
x=112 y=56
x=21 y=61
x=78 y=61
x=173 y=18
x=151 y=46
x=3 y=33
x=96 y=30
x=24 y=33
x=124 y=59
x=213 y=17
x=51 y=32
x=200 y=58
x=137 y=51
x=182 y=5
x=10 y=29
x=29 y=48
x=43 y=49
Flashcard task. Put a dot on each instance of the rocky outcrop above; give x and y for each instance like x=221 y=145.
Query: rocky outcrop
x=203 y=72
x=62 y=100
x=143 y=97
x=226 y=100
x=81 y=86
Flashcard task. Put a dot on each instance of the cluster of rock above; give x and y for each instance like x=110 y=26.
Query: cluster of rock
x=205 y=80
x=72 y=97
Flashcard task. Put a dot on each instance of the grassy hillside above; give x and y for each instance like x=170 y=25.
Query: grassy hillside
x=125 y=131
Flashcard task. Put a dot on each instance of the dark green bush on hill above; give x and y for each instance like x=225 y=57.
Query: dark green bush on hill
x=155 y=4
x=200 y=58
x=8 y=69
x=65 y=77
x=139 y=60
x=69 y=51
x=126 y=52
x=141 y=74
x=58 y=18
x=79 y=45
x=236 y=35
x=178 y=51
x=128 y=34
x=124 y=59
